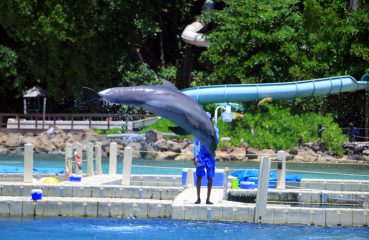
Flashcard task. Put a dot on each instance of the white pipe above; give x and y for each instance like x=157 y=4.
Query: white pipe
x=216 y=115
x=191 y=36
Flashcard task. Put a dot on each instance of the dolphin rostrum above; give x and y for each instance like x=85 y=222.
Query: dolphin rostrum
x=166 y=101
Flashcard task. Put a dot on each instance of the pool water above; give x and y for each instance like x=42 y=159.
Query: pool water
x=168 y=167
x=105 y=228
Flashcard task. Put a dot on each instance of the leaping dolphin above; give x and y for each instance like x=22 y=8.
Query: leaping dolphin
x=166 y=101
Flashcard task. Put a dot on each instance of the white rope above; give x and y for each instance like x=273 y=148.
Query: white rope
x=328 y=173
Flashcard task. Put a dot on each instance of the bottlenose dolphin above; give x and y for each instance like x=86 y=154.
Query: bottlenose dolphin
x=166 y=101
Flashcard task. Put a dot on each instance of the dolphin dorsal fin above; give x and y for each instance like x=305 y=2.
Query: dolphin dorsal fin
x=169 y=85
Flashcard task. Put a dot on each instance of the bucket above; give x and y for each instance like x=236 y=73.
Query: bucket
x=75 y=178
x=234 y=184
x=36 y=194
x=227 y=116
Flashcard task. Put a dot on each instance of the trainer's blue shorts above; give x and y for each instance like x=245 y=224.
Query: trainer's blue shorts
x=205 y=161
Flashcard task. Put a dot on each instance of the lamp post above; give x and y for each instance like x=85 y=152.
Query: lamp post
x=226 y=115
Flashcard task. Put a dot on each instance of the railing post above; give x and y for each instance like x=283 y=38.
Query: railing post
x=262 y=193
x=28 y=163
x=98 y=159
x=90 y=159
x=127 y=166
x=281 y=170
x=113 y=158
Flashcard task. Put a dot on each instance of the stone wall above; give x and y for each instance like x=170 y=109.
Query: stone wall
x=153 y=145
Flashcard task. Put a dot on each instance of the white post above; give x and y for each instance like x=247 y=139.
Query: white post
x=79 y=151
x=262 y=193
x=127 y=166
x=28 y=163
x=225 y=184
x=43 y=113
x=90 y=159
x=24 y=106
x=129 y=126
x=189 y=178
x=113 y=159
x=98 y=159
x=68 y=161
x=281 y=170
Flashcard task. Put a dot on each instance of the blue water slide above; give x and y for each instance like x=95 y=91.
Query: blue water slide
x=277 y=91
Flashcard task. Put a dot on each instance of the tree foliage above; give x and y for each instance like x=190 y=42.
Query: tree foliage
x=277 y=128
x=287 y=40
x=64 y=45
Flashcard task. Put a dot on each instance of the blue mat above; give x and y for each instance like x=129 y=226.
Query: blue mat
x=13 y=169
x=252 y=175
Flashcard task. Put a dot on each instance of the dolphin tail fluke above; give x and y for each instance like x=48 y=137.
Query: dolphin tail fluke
x=89 y=95
x=179 y=131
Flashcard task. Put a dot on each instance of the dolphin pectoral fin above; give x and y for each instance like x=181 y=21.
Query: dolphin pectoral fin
x=179 y=130
x=89 y=95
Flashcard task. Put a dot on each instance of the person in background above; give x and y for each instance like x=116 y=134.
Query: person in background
x=204 y=161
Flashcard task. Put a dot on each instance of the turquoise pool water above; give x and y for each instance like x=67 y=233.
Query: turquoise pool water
x=167 y=167
x=104 y=228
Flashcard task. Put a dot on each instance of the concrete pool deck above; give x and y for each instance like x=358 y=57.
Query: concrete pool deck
x=160 y=196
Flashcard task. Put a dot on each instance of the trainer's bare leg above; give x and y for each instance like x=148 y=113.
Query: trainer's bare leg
x=198 y=188
x=210 y=185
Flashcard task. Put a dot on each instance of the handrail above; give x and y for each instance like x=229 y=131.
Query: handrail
x=35 y=121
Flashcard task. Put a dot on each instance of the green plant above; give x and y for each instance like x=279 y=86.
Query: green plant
x=162 y=126
x=110 y=131
x=275 y=127
x=114 y=131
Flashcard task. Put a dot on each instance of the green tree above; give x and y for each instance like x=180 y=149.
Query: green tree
x=251 y=40
x=64 y=45
x=276 y=127
x=274 y=41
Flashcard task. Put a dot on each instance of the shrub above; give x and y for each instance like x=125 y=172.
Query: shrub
x=275 y=127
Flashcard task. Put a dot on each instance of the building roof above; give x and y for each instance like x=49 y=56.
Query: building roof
x=35 y=92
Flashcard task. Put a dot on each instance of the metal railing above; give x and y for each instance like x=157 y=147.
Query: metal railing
x=18 y=121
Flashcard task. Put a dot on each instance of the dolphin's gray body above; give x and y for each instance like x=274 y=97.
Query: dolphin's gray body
x=166 y=101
